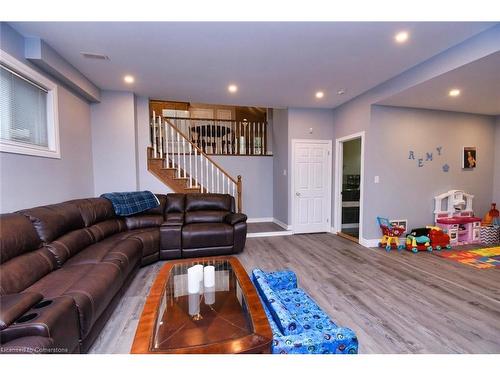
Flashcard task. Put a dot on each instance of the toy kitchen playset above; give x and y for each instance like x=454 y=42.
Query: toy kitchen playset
x=453 y=213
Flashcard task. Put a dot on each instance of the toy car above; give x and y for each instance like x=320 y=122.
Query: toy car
x=439 y=239
x=418 y=240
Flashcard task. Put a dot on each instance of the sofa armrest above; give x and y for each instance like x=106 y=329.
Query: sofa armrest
x=13 y=306
x=339 y=340
x=233 y=218
x=282 y=280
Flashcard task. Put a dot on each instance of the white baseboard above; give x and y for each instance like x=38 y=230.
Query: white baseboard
x=260 y=220
x=270 y=234
x=282 y=224
x=369 y=242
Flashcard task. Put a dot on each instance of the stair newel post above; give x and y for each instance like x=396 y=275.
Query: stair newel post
x=154 y=135
x=184 y=167
x=178 y=156
x=239 y=192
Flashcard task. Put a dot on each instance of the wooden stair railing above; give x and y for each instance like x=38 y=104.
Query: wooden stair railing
x=184 y=167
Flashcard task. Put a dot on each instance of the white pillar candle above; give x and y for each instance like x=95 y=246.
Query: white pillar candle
x=193 y=280
x=209 y=276
x=209 y=294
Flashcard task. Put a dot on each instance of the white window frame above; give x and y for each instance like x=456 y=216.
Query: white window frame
x=53 y=149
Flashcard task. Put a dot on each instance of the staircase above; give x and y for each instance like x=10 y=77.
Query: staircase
x=184 y=167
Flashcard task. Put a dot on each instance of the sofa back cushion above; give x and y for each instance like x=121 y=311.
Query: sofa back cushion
x=99 y=218
x=55 y=220
x=209 y=202
x=174 y=208
x=205 y=216
x=94 y=210
x=17 y=236
x=283 y=318
x=24 y=270
x=22 y=261
x=70 y=244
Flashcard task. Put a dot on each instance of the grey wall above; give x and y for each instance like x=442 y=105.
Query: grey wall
x=257 y=182
x=306 y=123
x=406 y=191
x=355 y=115
x=28 y=181
x=114 y=142
x=496 y=165
x=280 y=165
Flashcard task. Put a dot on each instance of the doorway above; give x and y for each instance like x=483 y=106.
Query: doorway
x=311 y=185
x=349 y=186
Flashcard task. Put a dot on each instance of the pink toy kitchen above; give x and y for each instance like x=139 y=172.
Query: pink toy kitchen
x=453 y=213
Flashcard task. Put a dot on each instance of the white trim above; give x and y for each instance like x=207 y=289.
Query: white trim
x=260 y=220
x=53 y=150
x=328 y=182
x=338 y=182
x=282 y=224
x=369 y=242
x=270 y=234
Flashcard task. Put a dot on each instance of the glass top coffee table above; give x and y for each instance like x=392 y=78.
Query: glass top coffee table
x=227 y=318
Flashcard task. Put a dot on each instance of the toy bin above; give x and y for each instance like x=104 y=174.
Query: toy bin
x=490 y=235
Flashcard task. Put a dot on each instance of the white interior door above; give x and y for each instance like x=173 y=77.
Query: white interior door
x=311 y=186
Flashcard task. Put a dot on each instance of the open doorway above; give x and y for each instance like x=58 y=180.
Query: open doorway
x=348 y=198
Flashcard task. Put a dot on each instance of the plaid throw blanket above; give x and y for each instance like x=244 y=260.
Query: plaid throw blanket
x=133 y=202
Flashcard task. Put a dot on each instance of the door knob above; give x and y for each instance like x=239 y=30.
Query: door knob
x=297 y=194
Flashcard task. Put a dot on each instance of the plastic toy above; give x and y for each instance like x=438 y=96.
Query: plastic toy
x=458 y=219
x=390 y=234
x=439 y=239
x=418 y=240
x=491 y=215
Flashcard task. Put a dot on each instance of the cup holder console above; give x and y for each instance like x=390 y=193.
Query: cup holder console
x=42 y=304
x=26 y=318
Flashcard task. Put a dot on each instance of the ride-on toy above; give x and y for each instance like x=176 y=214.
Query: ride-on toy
x=439 y=239
x=390 y=234
x=418 y=240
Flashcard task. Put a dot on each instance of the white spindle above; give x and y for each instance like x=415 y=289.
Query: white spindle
x=218 y=180
x=154 y=135
x=166 y=144
x=190 y=165
x=206 y=167
x=160 y=139
x=213 y=175
x=184 y=157
x=178 y=156
x=196 y=167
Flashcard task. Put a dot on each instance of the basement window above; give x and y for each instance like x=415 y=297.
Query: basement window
x=28 y=110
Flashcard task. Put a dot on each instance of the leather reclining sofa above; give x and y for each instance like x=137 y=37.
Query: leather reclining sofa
x=64 y=267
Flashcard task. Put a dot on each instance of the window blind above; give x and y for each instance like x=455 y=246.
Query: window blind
x=23 y=109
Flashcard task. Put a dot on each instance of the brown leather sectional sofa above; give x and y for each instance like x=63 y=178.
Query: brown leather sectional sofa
x=64 y=267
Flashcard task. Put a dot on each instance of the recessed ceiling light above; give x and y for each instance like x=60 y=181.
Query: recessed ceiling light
x=320 y=94
x=454 y=92
x=128 y=79
x=401 y=37
x=232 y=88
x=341 y=92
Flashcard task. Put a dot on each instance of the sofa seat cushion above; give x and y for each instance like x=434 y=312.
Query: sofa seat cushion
x=149 y=237
x=203 y=235
x=305 y=310
x=125 y=253
x=92 y=286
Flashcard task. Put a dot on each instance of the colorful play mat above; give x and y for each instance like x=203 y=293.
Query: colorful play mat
x=480 y=258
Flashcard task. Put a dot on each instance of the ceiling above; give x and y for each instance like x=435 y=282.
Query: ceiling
x=478 y=82
x=274 y=64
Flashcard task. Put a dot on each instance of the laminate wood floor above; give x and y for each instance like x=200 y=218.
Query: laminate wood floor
x=264 y=227
x=395 y=302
